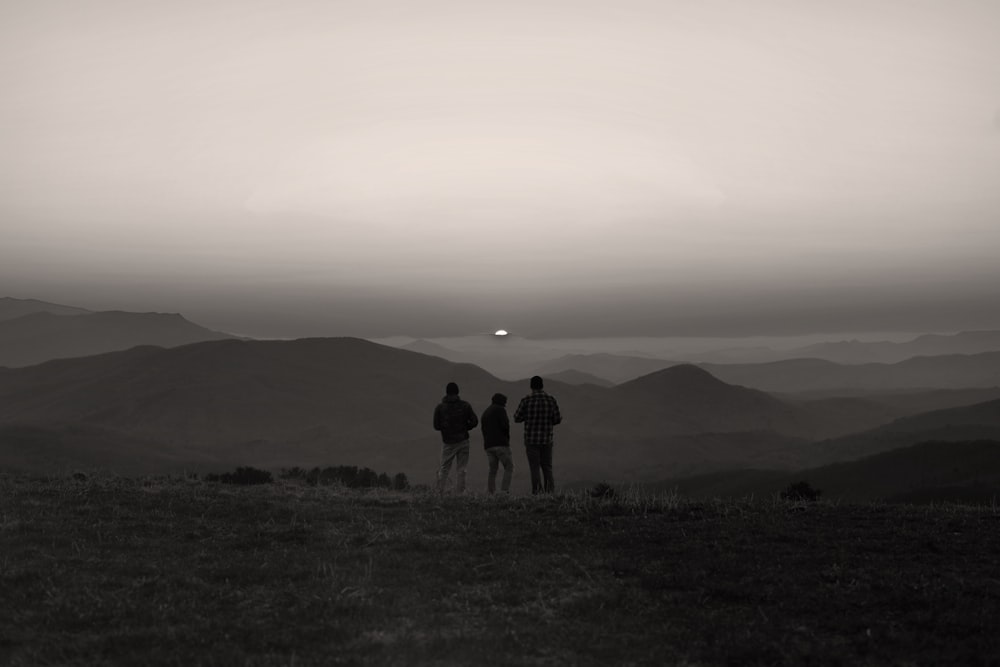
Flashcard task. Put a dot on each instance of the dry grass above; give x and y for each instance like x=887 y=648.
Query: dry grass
x=174 y=571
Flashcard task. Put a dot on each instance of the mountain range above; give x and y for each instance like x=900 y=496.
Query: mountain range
x=54 y=332
x=859 y=352
x=511 y=357
x=148 y=392
x=352 y=402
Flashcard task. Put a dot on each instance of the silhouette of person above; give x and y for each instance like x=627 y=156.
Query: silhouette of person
x=539 y=412
x=496 y=440
x=454 y=418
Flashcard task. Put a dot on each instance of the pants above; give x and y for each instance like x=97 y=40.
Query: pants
x=496 y=456
x=540 y=464
x=459 y=453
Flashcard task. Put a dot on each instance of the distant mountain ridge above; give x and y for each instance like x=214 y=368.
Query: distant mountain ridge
x=354 y=402
x=615 y=368
x=42 y=335
x=11 y=308
x=802 y=375
x=927 y=345
x=857 y=351
x=579 y=377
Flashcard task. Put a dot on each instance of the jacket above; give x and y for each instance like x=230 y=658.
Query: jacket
x=495 y=425
x=454 y=418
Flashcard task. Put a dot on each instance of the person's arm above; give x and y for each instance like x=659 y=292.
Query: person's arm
x=505 y=424
x=556 y=417
x=471 y=420
x=519 y=413
x=437 y=418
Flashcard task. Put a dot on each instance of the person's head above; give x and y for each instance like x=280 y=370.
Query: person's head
x=536 y=382
x=499 y=399
x=451 y=389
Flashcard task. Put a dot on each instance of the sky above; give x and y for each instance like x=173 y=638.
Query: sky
x=554 y=168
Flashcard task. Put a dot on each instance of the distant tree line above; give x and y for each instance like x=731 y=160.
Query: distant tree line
x=350 y=476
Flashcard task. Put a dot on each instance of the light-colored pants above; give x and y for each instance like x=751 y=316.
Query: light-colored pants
x=496 y=456
x=459 y=453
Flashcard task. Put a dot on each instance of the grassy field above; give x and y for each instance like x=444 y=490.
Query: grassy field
x=183 y=572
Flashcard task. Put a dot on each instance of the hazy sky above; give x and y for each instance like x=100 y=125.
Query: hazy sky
x=303 y=167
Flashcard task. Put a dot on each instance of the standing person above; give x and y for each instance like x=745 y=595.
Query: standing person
x=496 y=440
x=539 y=412
x=454 y=418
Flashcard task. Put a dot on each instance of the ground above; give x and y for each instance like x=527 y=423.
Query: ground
x=107 y=570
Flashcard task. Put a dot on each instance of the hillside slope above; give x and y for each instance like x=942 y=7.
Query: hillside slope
x=928 y=471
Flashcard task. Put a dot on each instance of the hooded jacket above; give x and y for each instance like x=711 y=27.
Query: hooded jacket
x=454 y=418
x=495 y=424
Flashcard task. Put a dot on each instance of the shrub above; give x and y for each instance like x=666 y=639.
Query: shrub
x=400 y=483
x=244 y=476
x=602 y=490
x=353 y=478
x=800 y=491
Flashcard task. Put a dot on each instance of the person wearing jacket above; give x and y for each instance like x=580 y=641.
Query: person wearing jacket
x=454 y=418
x=495 y=427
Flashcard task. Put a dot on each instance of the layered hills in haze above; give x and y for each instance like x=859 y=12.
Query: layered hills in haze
x=352 y=402
x=151 y=392
x=957 y=371
x=848 y=364
x=32 y=332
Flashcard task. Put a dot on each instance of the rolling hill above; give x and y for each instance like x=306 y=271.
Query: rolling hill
x=614 y=368
x=927 y=471
x=41 y=336
x=349 y=401
x=352 y=402
x=969 y=422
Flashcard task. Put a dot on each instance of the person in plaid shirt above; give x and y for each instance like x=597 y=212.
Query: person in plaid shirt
x=539 y=412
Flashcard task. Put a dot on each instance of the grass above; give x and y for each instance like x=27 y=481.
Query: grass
x=183 y=572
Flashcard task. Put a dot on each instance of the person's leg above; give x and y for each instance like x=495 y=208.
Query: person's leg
x=545 y=461
x=447 y=456
x=461 y=462
x=491 y=480
x=508 y=468
x=533 y=466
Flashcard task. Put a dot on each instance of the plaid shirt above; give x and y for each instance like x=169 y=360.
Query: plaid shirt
x=540 y=413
